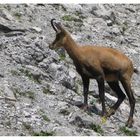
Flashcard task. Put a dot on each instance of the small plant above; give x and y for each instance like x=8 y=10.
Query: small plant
x=128 y=132
x=15 y=92
x=27 y=126
x=21 y=70
x=30 y=94
x=8 y=123
x=124 y=27
x=80 y=15
x=17 y=15
x=46 y=90
x=62 y=56
x=32 y=77
x=76 y=89
x=42 y=133
x=79 y=82
x=64 y=112
x=15 y=73
x=45 y=117
x=93 y=101
x=71 y=18
x=97 y=128
x=41 y=111
x=67 y=18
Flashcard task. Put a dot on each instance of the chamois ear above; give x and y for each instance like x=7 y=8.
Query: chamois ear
x=58 y=26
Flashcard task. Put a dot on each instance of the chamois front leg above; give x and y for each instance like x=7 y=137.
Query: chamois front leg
x=85 y=92
x=101 y=87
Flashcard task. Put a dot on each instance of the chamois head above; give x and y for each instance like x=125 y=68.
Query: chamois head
x=60 y=35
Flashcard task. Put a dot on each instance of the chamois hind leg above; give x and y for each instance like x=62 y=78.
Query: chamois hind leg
x=121 y=96
x=85 y=92
x=101 y=87
x=127 y=86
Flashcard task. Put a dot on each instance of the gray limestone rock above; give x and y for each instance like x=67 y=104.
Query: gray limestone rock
x=45 y=83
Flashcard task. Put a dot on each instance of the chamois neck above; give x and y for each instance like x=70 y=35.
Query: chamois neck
x=71 y=47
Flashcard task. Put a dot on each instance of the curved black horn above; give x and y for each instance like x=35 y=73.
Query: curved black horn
x=52 y=23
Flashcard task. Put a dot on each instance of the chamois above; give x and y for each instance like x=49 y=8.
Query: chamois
x=99 y=63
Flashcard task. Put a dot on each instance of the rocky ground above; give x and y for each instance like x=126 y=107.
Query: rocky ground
x=39 y=87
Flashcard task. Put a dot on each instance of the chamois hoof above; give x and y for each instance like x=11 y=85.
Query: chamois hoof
x=110 y=112
x=129 y=123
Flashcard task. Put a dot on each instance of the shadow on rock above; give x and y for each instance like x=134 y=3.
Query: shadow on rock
x=89 y=109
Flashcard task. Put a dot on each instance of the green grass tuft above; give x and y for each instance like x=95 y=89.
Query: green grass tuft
x=32 y=77
x=62 y=56
x=71 y=18
x=42 y=133
x=45 y=117
x=128 y=132
x=64 y=112
x=46 y=90
x=29 y=94
x=97 y=128
x=27 y=126
x=15 y=73
x=17 y=15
